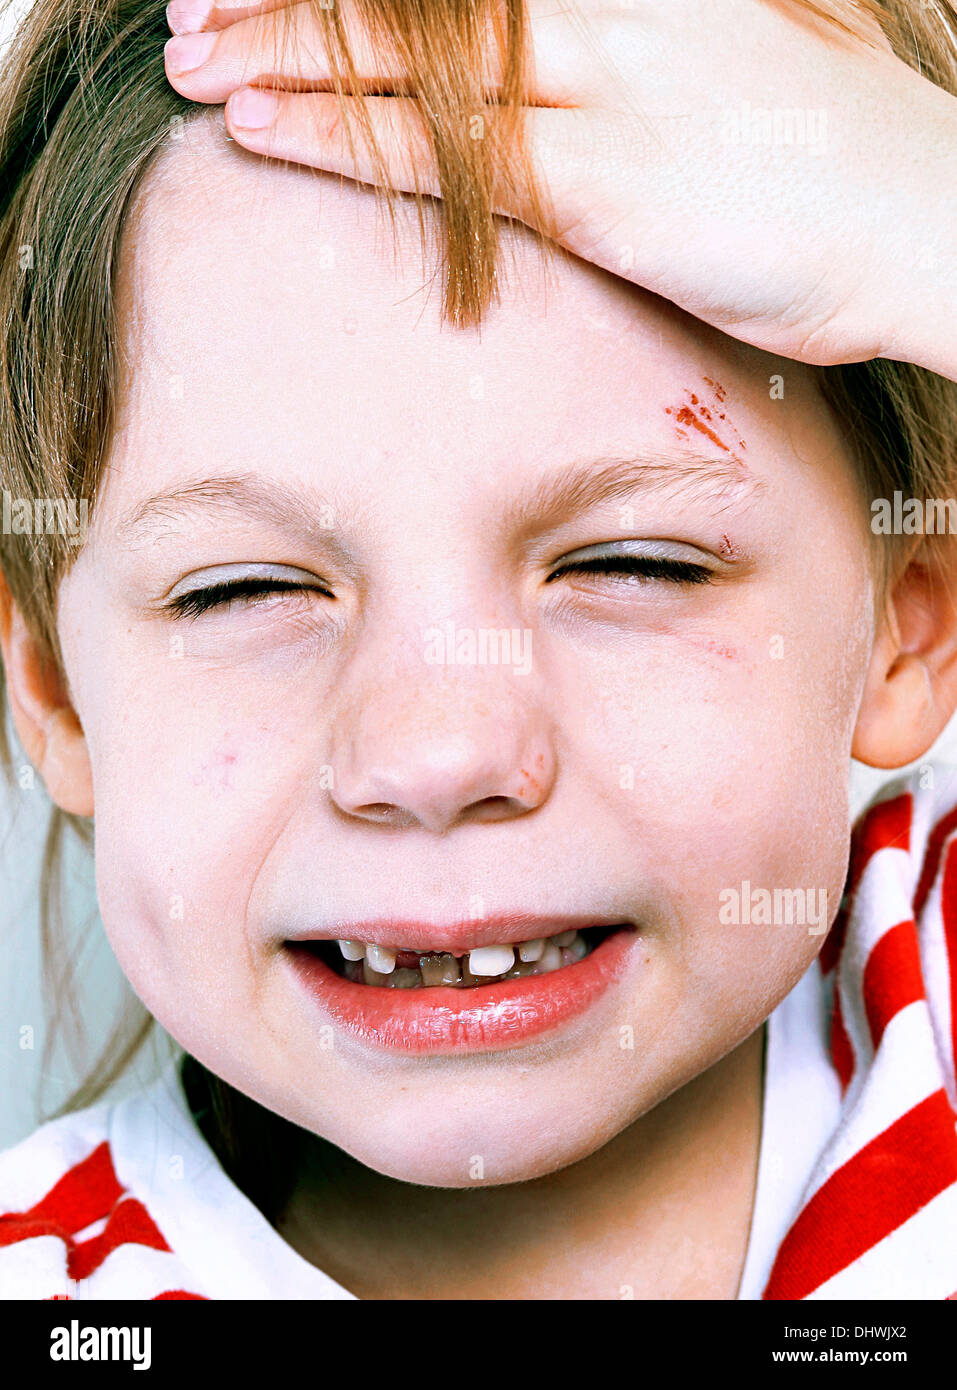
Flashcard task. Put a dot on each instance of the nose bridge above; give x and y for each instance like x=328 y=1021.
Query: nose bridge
x=439 y=722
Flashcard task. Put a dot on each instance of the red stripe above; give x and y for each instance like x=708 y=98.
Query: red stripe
x=16 y=1226
x=870 y=1195
x=86 y=1193
x=932 y=857
x=885 y=826
x=129 y=1224
x=948 y=904
x=892 y=977
x=842 y=1054
x=832 y=944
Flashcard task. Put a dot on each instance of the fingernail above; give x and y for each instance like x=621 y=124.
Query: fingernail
x=187 y=16
x=188 y=53
x=253 y=108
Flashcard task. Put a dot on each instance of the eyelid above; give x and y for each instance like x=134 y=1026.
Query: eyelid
x=649 y=549
x=236 y=573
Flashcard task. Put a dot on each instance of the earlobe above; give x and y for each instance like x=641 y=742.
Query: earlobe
x=911 y=689
x=46 y=723
x=65 y=768
x=898 y=719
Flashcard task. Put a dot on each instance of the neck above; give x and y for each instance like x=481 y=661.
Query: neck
x=661 y=1211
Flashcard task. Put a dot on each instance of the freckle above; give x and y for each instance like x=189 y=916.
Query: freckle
x=667 y=409
x=694 y=400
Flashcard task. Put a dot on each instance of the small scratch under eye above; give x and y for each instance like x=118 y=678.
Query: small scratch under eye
x=714 y=648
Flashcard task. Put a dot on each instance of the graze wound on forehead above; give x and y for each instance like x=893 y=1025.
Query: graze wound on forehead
x=704 y=418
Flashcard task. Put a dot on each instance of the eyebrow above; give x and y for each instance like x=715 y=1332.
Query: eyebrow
x=295 y=509
x=582 y=486
x=576 y=488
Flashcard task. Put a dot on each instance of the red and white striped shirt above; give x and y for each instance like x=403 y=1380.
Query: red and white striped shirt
x=857 y=1178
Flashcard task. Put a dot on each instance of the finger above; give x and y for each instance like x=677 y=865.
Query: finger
x=283 y=48
x=308 y=129
x=191 y=16
x=286 y=48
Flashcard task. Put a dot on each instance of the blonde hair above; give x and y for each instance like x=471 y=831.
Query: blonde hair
x=84 y=109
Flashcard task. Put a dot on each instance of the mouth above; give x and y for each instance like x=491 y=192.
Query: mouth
x=393 y=967
x=481 y=997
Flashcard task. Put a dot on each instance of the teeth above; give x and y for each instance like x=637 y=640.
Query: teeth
x=381 y=959
x=551 y=959
x=377 y=965
x=352 y=950
x=577 y=951
x=406 y=979
x=491 y=960
x=440 y=970
x=520 y=970
x=373 y=977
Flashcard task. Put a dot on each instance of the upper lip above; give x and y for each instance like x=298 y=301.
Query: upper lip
x=454 y=938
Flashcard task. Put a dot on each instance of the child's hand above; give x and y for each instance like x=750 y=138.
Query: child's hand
x=772 y=175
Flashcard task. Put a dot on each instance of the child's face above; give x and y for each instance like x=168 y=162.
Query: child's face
x=311 y=766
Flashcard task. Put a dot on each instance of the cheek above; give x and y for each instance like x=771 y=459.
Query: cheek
x=720 y=760
x=190 y=798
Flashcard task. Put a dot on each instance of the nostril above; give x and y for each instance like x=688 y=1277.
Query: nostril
x=378 y=810
x=496 y=808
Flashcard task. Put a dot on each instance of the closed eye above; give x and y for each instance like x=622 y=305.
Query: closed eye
x=252 y=590
x=648 y=567
x=248 y=591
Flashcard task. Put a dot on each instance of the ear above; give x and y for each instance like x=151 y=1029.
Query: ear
x=911 y=687
x=44 y=718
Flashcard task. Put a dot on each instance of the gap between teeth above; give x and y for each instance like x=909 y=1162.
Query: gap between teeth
x=376 y=965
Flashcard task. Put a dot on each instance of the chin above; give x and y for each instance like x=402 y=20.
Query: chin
x=461 y=1142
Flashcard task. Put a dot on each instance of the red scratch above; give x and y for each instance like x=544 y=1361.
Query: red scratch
x=708 y=644
x=718 y=390
x=686 y=416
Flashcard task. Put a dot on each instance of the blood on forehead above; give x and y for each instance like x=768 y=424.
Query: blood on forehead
x=703 y=412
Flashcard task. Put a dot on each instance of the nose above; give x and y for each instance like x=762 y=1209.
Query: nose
x=435 y=746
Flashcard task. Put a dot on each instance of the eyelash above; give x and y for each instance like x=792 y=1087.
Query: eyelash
x=198 y=601
x=644 y=566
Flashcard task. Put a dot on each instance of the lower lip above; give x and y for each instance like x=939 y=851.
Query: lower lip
x=481 y=1018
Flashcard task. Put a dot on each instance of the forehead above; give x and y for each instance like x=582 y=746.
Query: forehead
x=268 y=312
